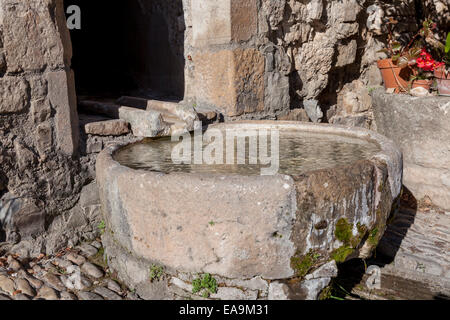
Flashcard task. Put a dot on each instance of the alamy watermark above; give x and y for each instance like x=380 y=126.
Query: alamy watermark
x=230 y=147
x=74 y=17
x=374 y=280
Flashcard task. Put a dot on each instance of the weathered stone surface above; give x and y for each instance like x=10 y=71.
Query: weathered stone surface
x=88 y=250
x=278 y=291
x=6 y=284
x=53 y=281
x=40 y=110
x=420 y=126
x=24 y=286
x=231 y=80
x=227 y=242
x=354 y=98
x=418 y=242
x=107 y=294
x=143 y=123
x=296 y=115
x=30 y=219
x=35 y=283
x=243 y=18
x=14 y=95
x=91 y=270
x=313 y=110
x=211 y=22
x=224 y=293
x=114 y=286
x=360 y=120
x=62 y=96
x=83 y=295
x=328 y=270
x=107 y=128
x=346 y=54
x=33 y=38
x=44 y=138
x=89 y=196
x=278 y=66
x=67 y=296
x=13 y=264
x=47 y=293
x=75 y=258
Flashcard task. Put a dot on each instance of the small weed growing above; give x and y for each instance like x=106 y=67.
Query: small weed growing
x=205 y=283
x=156 y=272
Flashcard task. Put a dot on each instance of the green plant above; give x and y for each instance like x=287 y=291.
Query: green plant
x=303 y=264
x=341 y=254
x=205 y=284
x=414 y=55
x=343 y=231
x=101 y=226
x=156 y=272
x=443 y=51
x=373 y=237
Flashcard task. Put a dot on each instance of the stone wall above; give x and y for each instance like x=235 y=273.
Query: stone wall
x=310 y=60
x=38 y=120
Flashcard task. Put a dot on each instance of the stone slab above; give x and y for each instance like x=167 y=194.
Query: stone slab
x=421 y=127
x=116 y=127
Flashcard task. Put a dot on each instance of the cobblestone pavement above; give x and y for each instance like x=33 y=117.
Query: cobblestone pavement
x=78 y=273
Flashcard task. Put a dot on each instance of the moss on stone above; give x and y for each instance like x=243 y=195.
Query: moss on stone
x=373 y=237
x=326 y=293
x=341 y=254
x=303 y=264
x=343 y=231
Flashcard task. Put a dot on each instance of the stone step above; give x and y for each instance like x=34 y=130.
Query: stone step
x=165 y=107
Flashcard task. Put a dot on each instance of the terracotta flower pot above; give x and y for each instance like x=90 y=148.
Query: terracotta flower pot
x=394 y=76
x=421 y=83
x=443 y=81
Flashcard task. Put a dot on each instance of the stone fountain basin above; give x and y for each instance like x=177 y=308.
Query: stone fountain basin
x=242 y=227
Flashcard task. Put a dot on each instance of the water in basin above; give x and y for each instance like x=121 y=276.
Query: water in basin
x=299 y=152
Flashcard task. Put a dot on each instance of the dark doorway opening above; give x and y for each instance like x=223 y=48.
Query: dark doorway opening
x=129 y=47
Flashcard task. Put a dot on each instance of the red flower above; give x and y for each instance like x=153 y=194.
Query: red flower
x=426 y=62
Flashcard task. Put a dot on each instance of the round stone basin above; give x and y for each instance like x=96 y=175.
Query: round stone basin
x=328 y=199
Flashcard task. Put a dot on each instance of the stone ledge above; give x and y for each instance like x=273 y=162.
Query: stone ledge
x=421 y=128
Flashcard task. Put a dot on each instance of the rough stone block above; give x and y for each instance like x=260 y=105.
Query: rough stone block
x=116 y=127
x=14 y=95
x=40 y=110
x=421 y=127
x=30 y=219
x=346 y=54
x=244 y=19
x=25 y=157
x=231 y=80
x=143 y=123
x=31 y=36
x=220 y=22
x=44 y=139
x=211 y=23
x=345 y=11
x=62 y=96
